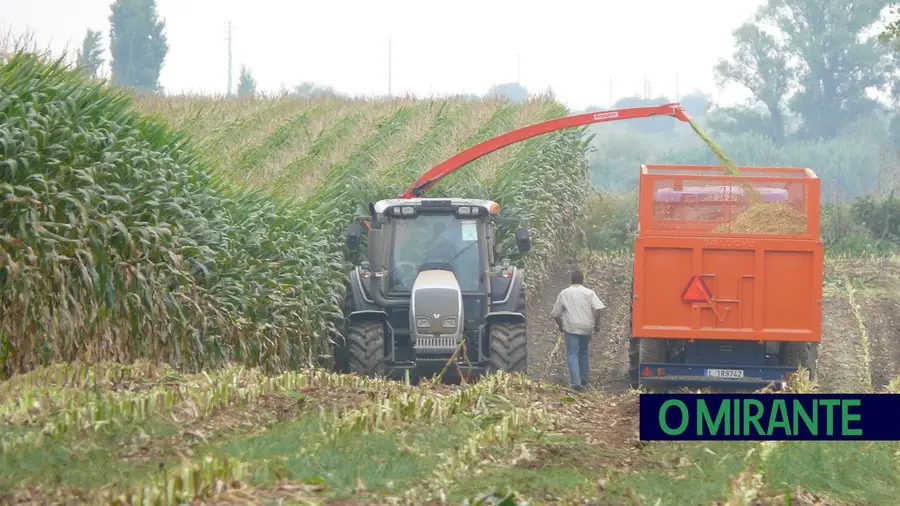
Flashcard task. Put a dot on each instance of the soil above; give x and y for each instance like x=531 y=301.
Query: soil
x=611 y=280
x=882 y=317
x=842 y=365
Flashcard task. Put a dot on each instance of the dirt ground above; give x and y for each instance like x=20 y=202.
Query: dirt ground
x=859 y=352
x=610 y=278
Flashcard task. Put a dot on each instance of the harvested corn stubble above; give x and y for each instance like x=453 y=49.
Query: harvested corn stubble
x=763 y=218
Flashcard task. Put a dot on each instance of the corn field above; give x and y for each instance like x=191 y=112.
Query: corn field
x=199 y=232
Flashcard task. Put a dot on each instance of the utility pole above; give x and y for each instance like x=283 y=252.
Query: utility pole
x=389 y=66
x=228 y=93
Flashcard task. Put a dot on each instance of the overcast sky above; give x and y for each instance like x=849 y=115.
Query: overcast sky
x=573 y=46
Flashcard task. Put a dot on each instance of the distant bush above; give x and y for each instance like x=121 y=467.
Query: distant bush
x=862 y=160
x=869 y=225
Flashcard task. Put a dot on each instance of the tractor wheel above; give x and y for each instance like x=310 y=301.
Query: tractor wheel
x=805 y=355
x=339 y=348
x=509 y=342
x=365 y=347
x=509 y=347
x=341 y=357
x=645 y=350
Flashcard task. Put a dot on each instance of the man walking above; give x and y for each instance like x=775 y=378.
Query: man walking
x=577 y=311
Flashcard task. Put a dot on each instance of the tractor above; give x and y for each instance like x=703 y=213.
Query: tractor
x=431 y=282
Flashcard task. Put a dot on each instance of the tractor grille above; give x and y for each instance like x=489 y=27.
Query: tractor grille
x=436 y=344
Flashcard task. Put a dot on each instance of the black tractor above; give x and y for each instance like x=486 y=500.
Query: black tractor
x=432 y=282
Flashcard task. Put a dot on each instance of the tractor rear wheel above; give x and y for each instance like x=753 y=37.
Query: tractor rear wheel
x=365 y=347
x=803 y=354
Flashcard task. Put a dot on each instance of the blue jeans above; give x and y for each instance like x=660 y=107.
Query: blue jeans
x=577 y=355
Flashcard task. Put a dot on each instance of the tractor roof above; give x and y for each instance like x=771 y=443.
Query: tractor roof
x=489 y=206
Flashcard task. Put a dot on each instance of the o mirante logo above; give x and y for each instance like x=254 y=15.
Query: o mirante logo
x=769 y=417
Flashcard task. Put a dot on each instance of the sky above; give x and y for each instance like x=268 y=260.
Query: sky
x=437 y=48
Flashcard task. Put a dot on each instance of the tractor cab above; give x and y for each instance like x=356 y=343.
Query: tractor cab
x=432 y=278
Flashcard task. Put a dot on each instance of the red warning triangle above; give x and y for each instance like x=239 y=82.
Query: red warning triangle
x=646 y=372
x=696 y=291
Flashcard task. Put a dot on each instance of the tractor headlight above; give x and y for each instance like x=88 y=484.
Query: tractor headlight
x=408 y=210
x=465 y=210
x=423 y=323
x=449 y=322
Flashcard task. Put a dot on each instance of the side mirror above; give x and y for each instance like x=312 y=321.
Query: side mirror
x=354 y=234
x=523 y=240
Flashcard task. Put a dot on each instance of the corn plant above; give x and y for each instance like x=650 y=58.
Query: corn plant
x=116 y=243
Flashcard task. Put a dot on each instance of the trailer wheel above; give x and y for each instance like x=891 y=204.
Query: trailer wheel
x=801 y=354
x=643 y=350
x=365 y=347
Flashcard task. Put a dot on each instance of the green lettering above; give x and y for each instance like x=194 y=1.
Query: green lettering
x=737 y=419
x=811 y=423
x=778 y=407
x=754 y=419
x=684 y=417
x=846 y=417
x=704 y=418
x=829 y=420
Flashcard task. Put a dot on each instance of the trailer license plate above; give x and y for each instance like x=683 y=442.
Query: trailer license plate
x=725 y=373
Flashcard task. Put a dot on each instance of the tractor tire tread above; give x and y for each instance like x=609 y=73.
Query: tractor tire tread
x=365 y=347
x=509 y=347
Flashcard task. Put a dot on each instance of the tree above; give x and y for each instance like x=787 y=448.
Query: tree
x=891 y=31
x=837 y=65
x=246 y=83
x=647 y=125
x=308 y=89
x=90 y=56
x=138 y=44
x=696 y=103
x=760 y=65
x=514 y=92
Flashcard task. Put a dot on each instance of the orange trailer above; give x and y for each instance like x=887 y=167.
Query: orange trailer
x=713 y=299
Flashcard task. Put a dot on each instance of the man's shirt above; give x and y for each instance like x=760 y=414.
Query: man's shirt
x=576 y=305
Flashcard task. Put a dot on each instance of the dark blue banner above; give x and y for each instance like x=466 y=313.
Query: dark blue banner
x=781 y=417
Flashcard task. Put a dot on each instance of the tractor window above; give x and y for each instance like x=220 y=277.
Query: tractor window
x=428 y=241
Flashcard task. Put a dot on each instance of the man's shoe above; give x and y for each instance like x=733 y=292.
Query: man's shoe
x=578 y=388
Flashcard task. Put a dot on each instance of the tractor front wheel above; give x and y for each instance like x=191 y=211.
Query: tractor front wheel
x=365 y=348
x=509 y=347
